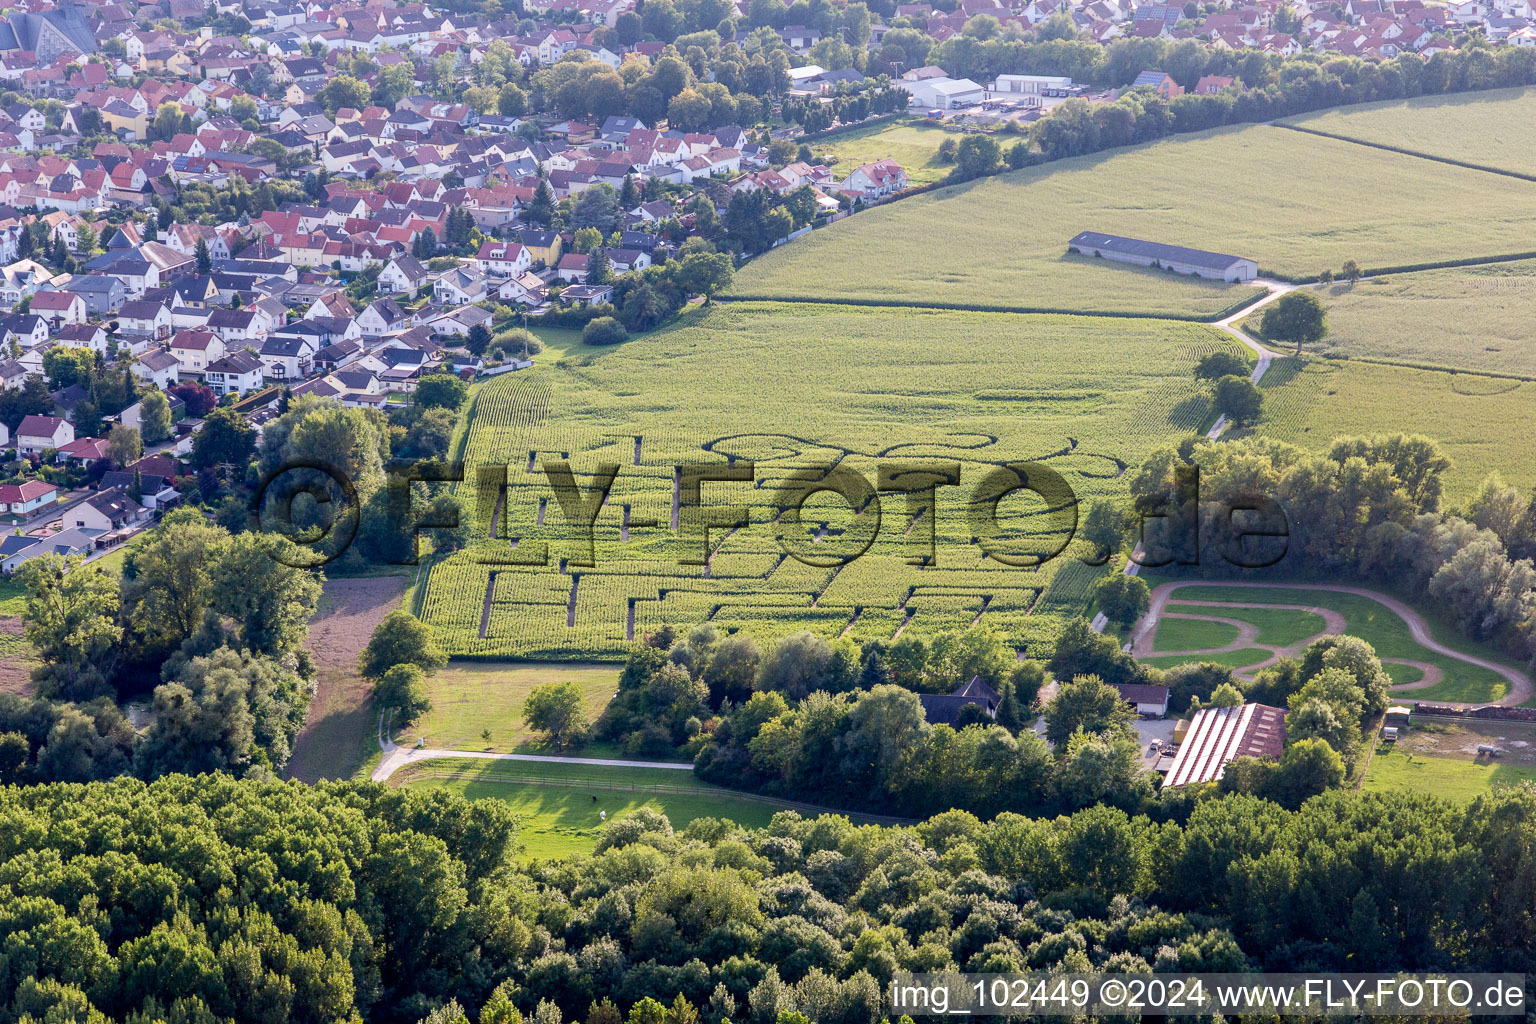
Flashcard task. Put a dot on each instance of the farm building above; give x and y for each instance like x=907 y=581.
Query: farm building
x=945 y=708
x=1029 y=85
x=1149 y=701
x=1217 y=735
x=1170 y=257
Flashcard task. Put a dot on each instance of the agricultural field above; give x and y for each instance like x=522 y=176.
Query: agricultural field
x=559 y=807
x=1363 y=617
x=914 y=145
x=1012 y=251
x=471 y=697
x=1485 y=128
x=1483 y=423
x=1440 y=756
x=1467 y=318
x=855 y=387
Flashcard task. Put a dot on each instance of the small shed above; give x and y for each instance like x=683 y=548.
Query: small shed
x=1398 y=716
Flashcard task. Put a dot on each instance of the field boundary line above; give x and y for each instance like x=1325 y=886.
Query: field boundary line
x=977 y=307
x=1402 y=151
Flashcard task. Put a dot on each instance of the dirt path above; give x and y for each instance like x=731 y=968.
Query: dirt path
x=16 y=664
x=1520 y=685
x=335 y=736
x=397 y=757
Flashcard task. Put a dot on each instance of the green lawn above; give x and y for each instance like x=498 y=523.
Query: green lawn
x=1403 y=673
x=1382 y=629
x=1279 y=626
x=1442 y=776
x=1485 y=128
x=1192 y=634
x=1468 y=318
x=1482 y=423
x=791 y=387
x=469 y=697
x=1232 y=659
x=13 y=598
x=1002 y=239
x=559 y=816
x=914 y=145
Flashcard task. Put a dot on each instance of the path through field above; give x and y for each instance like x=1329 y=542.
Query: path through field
x=335 y=736
x=1229 y=325
x=397 y=757
x=1520 y=686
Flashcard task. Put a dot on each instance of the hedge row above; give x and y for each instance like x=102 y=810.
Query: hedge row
x=1407 y=152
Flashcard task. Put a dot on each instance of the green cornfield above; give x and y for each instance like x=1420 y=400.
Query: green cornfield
x=795 y=389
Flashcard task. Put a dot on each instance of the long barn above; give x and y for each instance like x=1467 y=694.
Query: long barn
x=1177 y=258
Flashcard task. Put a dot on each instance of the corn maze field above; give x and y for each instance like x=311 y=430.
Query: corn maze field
x=794 y=391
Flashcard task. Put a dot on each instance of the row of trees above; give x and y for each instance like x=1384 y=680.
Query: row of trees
x=1368 y=508
x=354 y=902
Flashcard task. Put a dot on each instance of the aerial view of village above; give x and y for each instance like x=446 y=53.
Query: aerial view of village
x=764 y=512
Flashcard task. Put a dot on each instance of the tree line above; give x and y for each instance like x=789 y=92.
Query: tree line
x=211 y=899
x=1368 y=509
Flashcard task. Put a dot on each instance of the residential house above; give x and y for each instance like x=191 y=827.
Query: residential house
x=157 y=367
x=235 y=374
x=27 y=497
x=37 y=434
x=59 y=308
x=195 y=349
x=106 y=511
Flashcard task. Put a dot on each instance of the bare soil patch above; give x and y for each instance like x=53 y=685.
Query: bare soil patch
x=339 y=728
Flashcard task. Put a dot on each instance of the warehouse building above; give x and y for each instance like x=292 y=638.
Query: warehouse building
x=1218 y=735
x=1031 y=85
x=1168 y=257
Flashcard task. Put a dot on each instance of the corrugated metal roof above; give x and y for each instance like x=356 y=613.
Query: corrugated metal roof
x=1217 y=735
x=1153 y=250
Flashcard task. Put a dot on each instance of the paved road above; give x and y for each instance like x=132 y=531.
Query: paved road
x=397 y=757
x=1520 y=686
x=1229 y=324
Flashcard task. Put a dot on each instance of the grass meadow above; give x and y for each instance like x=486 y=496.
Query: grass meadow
x=1232 y=190
x=1490 y=129
x=1467 y=318
x=1483 y=423
x=1231 y=659
x=913 y=144
x=1192 y=634
x=470 y=697
x=794 y=387
x=560 y=807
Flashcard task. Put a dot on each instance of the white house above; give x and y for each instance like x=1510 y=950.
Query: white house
x=158 y=367
x=37 y=434
x=874 y=180
x=194 y=350
x=503 y=259
x=234 y=374
x=403 y=274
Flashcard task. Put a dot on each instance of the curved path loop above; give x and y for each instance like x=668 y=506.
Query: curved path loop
x=397 y=757
x=1520 y=685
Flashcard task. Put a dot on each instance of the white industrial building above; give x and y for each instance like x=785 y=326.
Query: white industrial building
x=944 y=93
x=1030 y=85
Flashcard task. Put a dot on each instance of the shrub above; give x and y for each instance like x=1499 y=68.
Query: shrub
x=605 y=330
